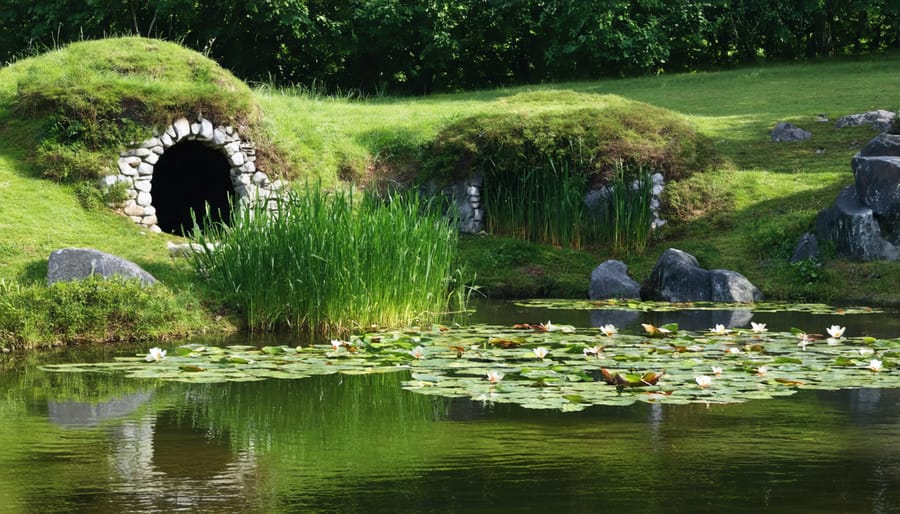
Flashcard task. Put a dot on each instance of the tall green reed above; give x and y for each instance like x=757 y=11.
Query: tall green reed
x=540 y=204
x=624 y=219
x=329 y=263
x=546 y=204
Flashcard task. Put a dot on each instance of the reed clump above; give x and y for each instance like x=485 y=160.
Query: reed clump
x=546 y=204
x=330 y=263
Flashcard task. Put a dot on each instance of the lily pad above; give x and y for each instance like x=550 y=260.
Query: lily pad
x=580 y=368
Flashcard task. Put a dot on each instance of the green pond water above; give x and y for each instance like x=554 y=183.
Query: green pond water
x=103 y=442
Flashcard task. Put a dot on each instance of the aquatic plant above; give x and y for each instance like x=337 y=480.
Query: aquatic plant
x=155 y=355
x=624 y=220
x=561 y=369
x=543 y=204
x=324 y=262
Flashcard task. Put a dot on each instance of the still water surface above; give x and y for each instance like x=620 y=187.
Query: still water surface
x=93 y=443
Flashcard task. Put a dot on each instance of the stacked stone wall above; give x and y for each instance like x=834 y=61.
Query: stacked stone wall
x=136 y=166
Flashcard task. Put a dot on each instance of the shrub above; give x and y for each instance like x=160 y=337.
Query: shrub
x=90 y=310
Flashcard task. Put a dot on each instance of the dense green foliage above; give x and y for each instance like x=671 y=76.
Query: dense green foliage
x=320 y=264
x=92 y=309
x=377 y=45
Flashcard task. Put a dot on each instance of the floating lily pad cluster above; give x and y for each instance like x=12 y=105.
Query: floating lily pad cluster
x=647 y=306
x=551 y=366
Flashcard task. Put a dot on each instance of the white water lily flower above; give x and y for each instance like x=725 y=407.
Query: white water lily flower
x=418 y=352
x=762 y=371
x=836 y=331
x=540 y=352
x=155 y=355
x=804 y=342
x=759 y=328
x=494 y=376
x=719 y=329
x=609 y=330
x=336 y=344
x=875 y=365
x=716 y=370
x=734 y=350
x=703 y=381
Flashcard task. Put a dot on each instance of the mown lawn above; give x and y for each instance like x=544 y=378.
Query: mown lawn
x=745 y=214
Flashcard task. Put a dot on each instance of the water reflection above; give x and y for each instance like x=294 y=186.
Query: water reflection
x=100 y=443
x=74 y=414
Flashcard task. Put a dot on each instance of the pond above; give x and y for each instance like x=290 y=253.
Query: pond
x=99 y=442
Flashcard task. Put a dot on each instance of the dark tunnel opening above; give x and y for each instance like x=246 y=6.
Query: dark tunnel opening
x=187 y=177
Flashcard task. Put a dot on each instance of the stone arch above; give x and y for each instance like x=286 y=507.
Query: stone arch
x=203 y=142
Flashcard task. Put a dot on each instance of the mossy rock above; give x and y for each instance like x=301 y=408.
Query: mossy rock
x=594 y=139
x=88 y=100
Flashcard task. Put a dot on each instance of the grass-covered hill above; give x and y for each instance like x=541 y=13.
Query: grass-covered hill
x=741 y=205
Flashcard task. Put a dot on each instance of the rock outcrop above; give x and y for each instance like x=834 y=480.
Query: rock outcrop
x=880 y=120
x=610 y=280
x=864 y=222
x=785 y=131
x=78 y=263
x=678 y=277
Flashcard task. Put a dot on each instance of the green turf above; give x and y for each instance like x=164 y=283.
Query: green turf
x=745 y=214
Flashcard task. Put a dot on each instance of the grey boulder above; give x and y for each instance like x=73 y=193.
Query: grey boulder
x=854 y=230
x=78 y=263
x=677 y=277
x=610 y=280
x=785 y=131
x=879 y=119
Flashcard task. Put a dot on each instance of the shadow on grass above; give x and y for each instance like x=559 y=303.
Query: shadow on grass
x=34 y=273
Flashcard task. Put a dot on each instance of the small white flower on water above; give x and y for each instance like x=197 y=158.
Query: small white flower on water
x=609 y=330
x=716 y=370
x=703 y=381
x=866 y=351
x=416 y=340
x=875 y=365
x=804 y=342
x=762 y=371
x=836 y=331
x=336 y=344
x=540 y=352
x=719 y=329
x=734 y=350
x=759 y=328
x=156 y=355
x=418 y=352
x=494 y=376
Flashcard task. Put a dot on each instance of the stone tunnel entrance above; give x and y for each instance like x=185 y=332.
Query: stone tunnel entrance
x=177 y=173
x=189 y=176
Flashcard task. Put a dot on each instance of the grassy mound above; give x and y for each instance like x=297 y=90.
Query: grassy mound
x=79 y=105
x=592 y=139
